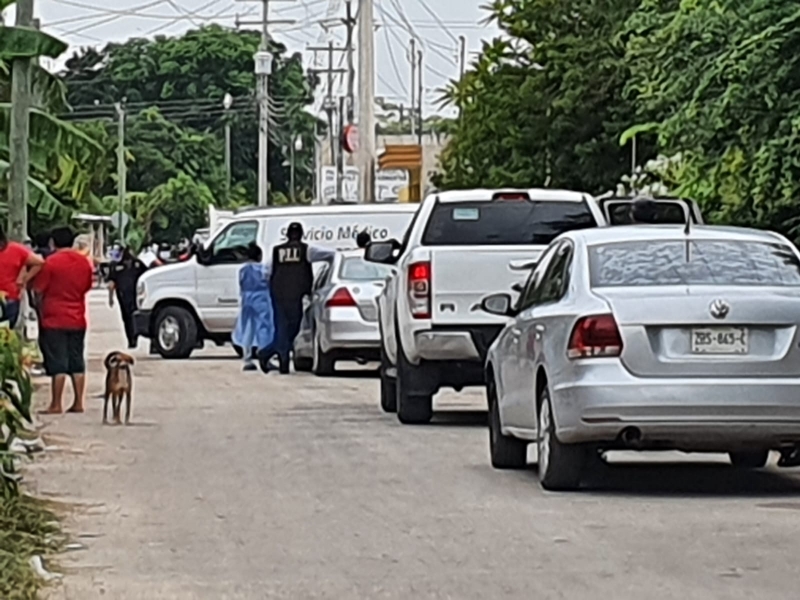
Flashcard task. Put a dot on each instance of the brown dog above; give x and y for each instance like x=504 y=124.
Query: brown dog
x=119 y=384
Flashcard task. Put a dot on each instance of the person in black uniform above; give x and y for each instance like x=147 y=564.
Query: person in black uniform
x=363 y=239
x=644 y=211
x=122 y=278
x=291 y=279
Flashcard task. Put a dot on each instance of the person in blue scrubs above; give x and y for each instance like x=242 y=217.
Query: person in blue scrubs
x=255 y=327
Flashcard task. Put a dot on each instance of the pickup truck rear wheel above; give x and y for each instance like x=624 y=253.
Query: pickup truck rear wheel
x=175 y=332
x=412 y=409
x=388 y=385
x=505 y=451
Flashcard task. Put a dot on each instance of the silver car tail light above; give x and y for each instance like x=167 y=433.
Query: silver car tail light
x=341 y=297
x=595 y=336
x=419 y=289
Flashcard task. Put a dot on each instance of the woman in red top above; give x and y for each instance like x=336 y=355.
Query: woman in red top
x=18 y=265
x=63 y=284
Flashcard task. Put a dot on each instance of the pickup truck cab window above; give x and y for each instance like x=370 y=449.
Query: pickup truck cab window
x=504 y=222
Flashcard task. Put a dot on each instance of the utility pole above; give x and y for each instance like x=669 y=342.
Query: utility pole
x=413 y=85
x=366 y=101
x=462 y=58
x=122 y=171
x=227 y=103
x=329 y=105
x=420 y=98
x=340 y=157
x=19 y=132
x=263 y=62
x=350 y=23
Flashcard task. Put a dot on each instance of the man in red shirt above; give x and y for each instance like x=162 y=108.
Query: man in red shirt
x=18 y=265
x=63 y=283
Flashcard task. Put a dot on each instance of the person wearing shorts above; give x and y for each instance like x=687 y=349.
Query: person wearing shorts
x=63 y=283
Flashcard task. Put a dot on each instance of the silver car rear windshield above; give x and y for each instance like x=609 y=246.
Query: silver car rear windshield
x=699 y=262
x=357 y=269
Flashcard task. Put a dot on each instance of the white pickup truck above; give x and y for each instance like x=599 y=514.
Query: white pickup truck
x=460 y=247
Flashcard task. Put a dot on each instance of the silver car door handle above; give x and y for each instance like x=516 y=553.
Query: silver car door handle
x=228 y=300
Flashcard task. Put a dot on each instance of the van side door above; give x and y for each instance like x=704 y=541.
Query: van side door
x=218 y=275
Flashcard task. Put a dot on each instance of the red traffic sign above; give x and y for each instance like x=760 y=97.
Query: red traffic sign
x=350 y=139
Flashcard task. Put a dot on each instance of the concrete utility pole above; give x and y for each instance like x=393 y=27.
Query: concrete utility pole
x=263 y=62
x=366 y=101
x=122 y=170
x=329 y=105
x=19 y=132
x=340 y=157
x=420 y=98
x=413 y=85
x=350 y=23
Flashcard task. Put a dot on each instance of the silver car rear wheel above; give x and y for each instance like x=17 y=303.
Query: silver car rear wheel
x=560 y=465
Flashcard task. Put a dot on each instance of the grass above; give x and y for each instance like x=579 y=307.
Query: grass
x=27 y=528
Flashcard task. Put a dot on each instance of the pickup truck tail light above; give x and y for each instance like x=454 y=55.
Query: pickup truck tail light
x=419 y=289
x=341 y=297
x=595 y=336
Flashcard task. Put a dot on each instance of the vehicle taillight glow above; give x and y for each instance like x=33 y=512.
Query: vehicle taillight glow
x=595 y=336
x=341 y=297
x=419 y=290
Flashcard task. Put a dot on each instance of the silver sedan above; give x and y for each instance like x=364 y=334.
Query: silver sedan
x=341 y=321
x=649 y=338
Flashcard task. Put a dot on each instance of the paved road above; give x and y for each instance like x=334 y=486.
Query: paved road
x=237 y=485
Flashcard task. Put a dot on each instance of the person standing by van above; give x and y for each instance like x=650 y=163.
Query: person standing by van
x=122 y=280
x=63 y=284
x=291 y=279
x=255 y=326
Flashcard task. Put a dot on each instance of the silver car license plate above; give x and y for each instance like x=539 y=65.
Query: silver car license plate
x=720 y=340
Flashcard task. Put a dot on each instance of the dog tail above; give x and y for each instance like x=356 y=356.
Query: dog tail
x=111 y=360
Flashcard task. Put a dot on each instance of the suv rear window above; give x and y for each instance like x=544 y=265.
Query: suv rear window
x=504 y=222
x=667 y=213
x=700 y=262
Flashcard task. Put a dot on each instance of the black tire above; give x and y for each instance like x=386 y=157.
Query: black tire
x=388 y=385
x=560 y=465
x=506 y=452
x=412 y=409
x=302 y=364
x=186 y=334
x=749 y=460
x=324 y=363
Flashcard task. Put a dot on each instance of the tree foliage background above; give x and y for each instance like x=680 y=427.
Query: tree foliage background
x=173 y=90
x=713 y=86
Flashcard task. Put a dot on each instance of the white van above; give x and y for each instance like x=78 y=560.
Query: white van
x=181 y=305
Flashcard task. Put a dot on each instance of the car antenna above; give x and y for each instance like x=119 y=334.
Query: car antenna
x=686 y=231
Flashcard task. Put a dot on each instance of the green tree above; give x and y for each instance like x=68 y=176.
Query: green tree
x=187 y=77
x=543 y=104
x=61 y=155
x=718 y=84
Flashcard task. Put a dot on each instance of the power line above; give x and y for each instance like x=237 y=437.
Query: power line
x=393 y=60
x=436 y=18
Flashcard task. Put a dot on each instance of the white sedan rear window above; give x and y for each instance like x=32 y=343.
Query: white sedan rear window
x=699 y=262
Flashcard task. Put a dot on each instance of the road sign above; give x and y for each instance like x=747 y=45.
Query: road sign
x=115 y=220
x=350 y=139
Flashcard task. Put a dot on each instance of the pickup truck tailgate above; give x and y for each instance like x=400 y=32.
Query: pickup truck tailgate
x=461 y=279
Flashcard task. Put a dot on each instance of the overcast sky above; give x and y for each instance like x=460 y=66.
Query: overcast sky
x=96 y=22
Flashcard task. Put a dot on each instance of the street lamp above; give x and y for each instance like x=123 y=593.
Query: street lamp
x=297 y=146
x=227 y=103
